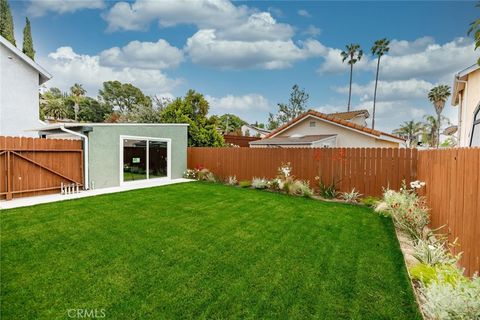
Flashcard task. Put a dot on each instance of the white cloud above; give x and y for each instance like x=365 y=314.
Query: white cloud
x=389 y=90
x=250 y=107
x=434 y=61
x=144 y=55
x=38 y=8
x=205 y=48
x=303 y=13
x=333 y=63
x=204 y=14
x=418 y=59
x=259 y=26
x=312 y=31
x=68 y=67
x=403 y=47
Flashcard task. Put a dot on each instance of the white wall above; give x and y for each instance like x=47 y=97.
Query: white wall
x=19 y=102
x=470 y=99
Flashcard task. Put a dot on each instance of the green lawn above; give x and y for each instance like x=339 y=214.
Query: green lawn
x=201 y=250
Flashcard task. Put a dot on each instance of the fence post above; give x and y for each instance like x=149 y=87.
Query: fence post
x=9 y=194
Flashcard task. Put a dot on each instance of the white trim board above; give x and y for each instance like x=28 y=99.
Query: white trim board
x=147 y=139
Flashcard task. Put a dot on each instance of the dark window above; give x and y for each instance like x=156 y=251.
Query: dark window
x=475 y=138
x=312 y=123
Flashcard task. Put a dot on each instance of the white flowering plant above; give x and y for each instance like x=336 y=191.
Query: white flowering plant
x=260 y=183
x=407 y=209
x=232 y=181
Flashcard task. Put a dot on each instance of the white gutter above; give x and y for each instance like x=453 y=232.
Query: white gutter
x=85 y=153
x=461 y=107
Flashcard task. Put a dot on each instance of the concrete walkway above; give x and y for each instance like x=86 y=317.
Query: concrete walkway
x=30 y=201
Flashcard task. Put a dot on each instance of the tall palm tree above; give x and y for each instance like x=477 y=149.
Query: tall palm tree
x=77 y=93
x=353 y=53
x=438 y=96
x=380 y=47
x=55 y=108
x=410 y=131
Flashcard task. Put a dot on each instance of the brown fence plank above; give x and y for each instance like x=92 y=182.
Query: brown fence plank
x=34 y=166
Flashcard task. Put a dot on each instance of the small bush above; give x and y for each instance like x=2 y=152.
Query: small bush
x=327 y=191
x=444 y=300
x=351 y=197
x=244 y=184
x=407 y=209
x=206 y=175
x=260 y=183
x=427 y=274
x=300 y=188
x=433 y=252
x=370 y=201
x=190 y=174
x=232 y=181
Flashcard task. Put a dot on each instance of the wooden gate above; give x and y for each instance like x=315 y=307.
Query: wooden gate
x=34 y=166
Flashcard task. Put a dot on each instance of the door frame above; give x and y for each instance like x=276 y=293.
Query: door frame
x=147 y=161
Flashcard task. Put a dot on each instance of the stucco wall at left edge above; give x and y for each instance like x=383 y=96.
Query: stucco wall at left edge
x=104 y=150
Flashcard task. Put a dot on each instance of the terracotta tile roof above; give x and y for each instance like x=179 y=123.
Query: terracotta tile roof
x=349 y=115
x=333 y=119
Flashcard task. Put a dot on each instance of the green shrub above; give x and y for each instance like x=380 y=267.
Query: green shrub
x=260 y=183
x=350 y=197
x=245 y=184
x=433 y=251
x=428 y=274
x=370 y=201
x=327 y=191
x=445 y=300
x=206 y=175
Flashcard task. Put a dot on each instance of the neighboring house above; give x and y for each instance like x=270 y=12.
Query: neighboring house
x=20 y=79
x=466 y=96
x=252 y=131
x=118 y=153
x=315 y=129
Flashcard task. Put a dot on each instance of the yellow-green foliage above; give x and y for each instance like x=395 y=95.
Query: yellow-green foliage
x=440 y=273
x=244 y=184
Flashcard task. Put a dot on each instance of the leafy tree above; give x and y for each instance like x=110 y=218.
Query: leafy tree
x=52 y=104
x=77 y=95
x=409 y=130
x=123 y=97
x=259 y=125
x=193 y=109
x=380 y=47
x=229 y=122
x=6 y=22
x=90 y=110
x=438 y=96
x=475 y=30
x=287 y=112
x=28 y=41
x=353 y=53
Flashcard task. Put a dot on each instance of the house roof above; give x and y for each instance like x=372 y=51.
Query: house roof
x=458 y=85
x=302 y=140
x=56 y=126
x=349 y=115
x=337 y=121
x=257 y=128
x=44 y=75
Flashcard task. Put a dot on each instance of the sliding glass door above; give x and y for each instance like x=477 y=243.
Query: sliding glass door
x=144 y=158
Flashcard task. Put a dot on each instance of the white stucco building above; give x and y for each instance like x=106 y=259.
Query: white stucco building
x=466 y=97
x=20 y=78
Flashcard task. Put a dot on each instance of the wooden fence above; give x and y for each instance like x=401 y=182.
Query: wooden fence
x=452 y=191
x=452 y=179
x=33 y=166
x=368 y=170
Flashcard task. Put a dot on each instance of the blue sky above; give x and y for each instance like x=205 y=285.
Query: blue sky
x=245 y=56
